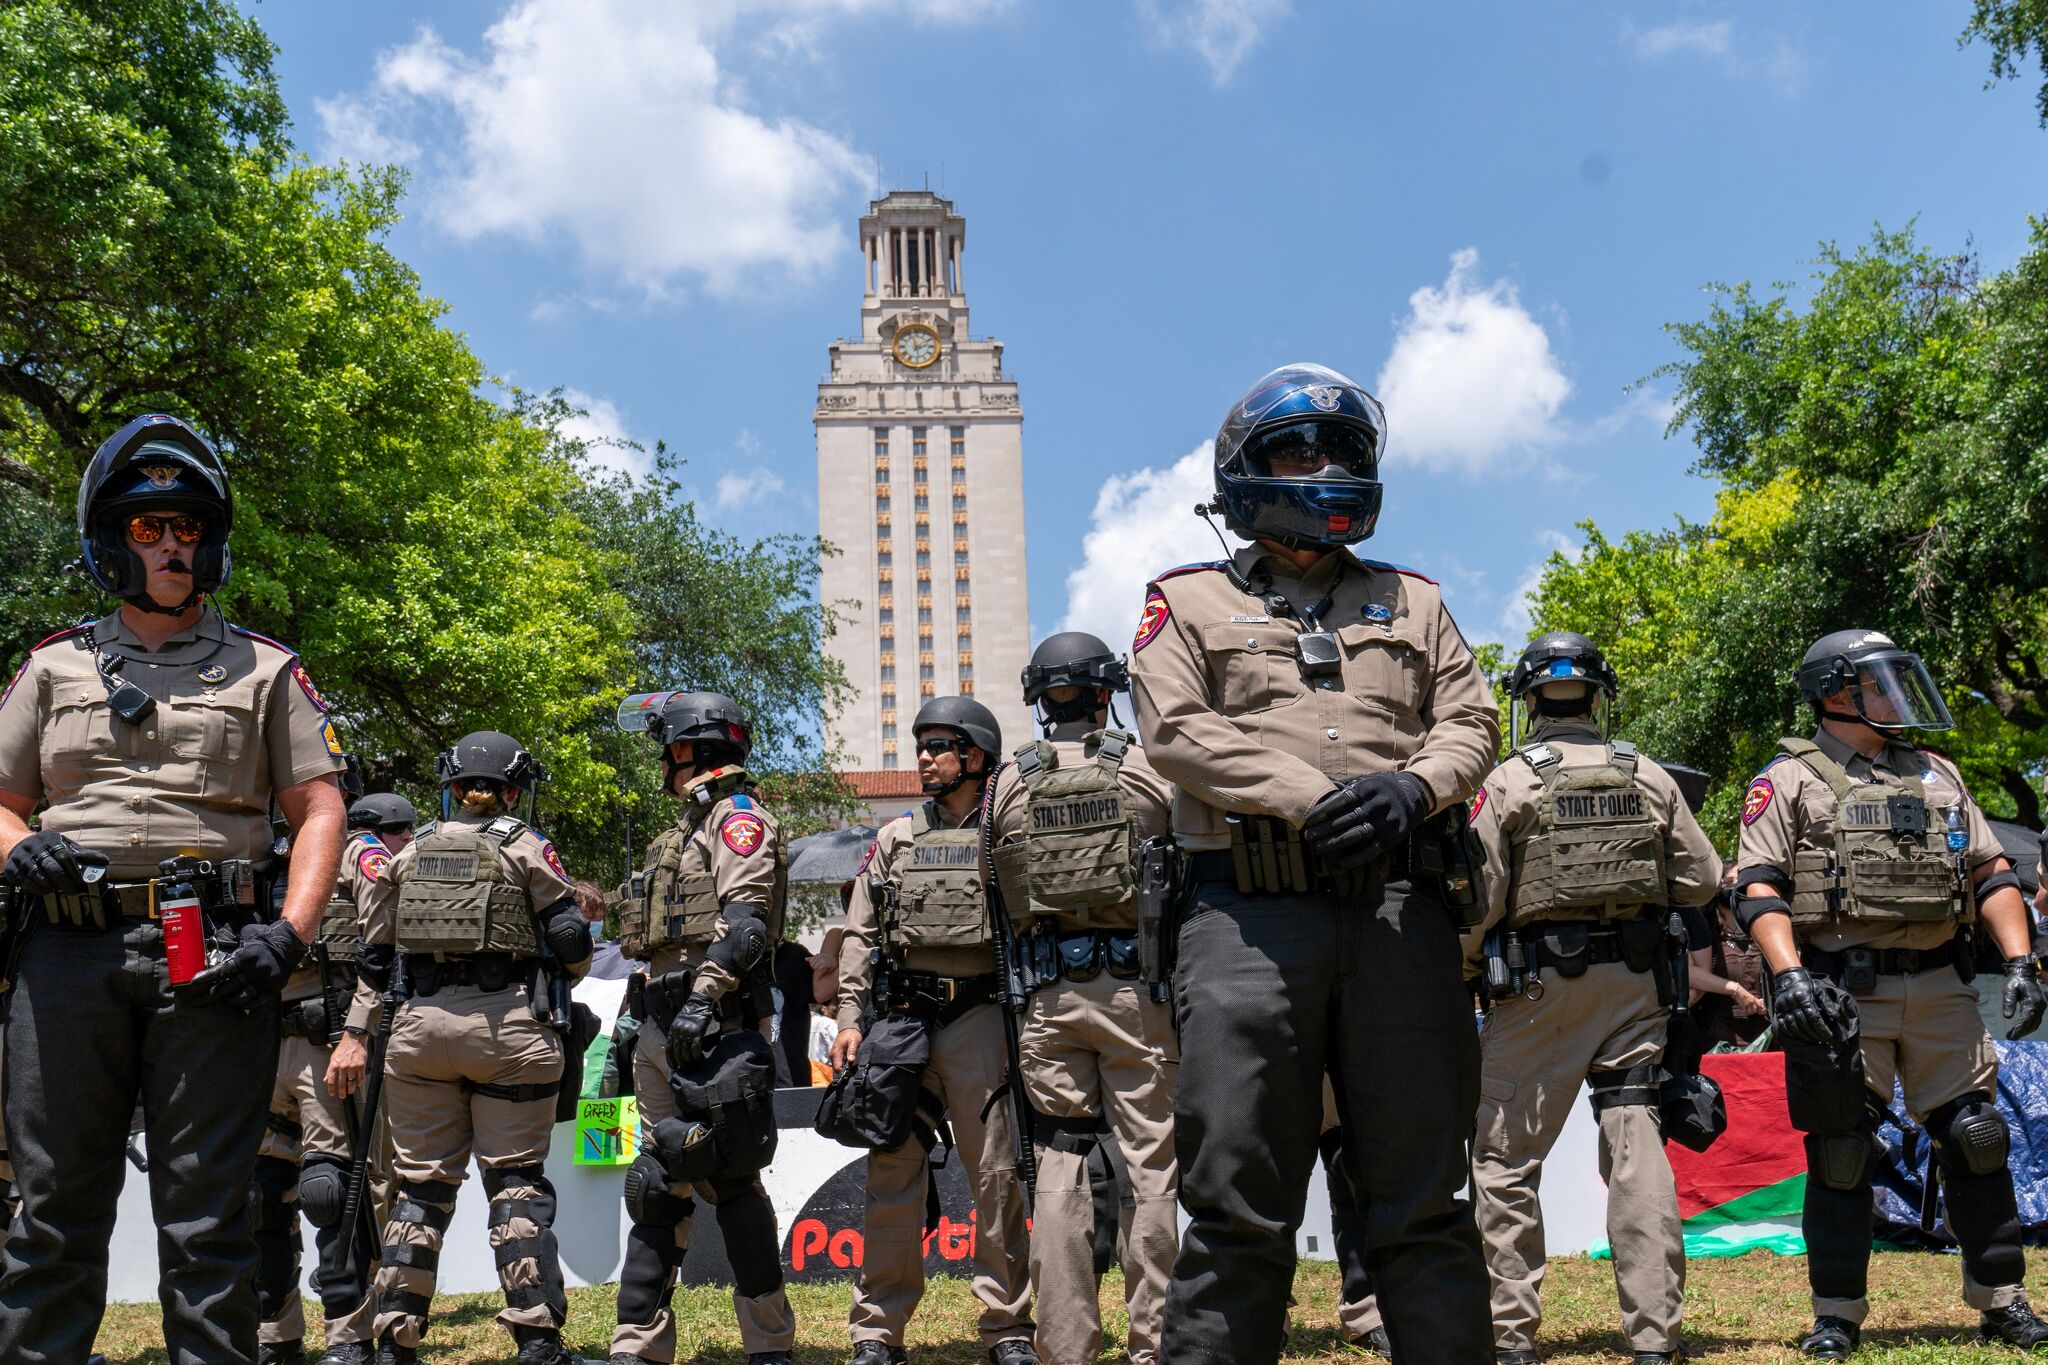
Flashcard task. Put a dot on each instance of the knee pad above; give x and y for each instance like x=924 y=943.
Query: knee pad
x=539 y=1206
x=649 y=1202
x=323 y=1190
x=270 y=1183
x=1841 y=1161
x=1970 y=1136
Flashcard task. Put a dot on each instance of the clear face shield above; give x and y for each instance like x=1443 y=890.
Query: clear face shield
x=1895 y=692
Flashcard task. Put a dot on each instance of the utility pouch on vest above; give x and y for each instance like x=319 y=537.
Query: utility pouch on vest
x=1267 y=856
x=1884 y=865
x=1642 y=943
x=1569 y=949
x=939 y=903
x=1076 y=860
x=455 y=897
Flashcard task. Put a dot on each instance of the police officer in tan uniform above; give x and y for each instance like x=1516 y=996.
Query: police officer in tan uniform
x=705 y=917
x=1325 y=723
x=1070 y=812
x=156 y=733
x=311 y=1134
x=1588 y=845
x=918 y=942
x=484 y=921
x=1864 y=863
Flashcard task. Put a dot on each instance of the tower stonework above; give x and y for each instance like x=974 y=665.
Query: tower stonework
x=921 y=491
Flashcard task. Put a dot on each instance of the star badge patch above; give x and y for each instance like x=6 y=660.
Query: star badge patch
x=743 y=833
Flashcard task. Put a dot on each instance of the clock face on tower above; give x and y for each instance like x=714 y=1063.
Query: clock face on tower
x=916 y=345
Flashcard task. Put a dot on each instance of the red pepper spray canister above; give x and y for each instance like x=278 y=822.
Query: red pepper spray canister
x=184 y=931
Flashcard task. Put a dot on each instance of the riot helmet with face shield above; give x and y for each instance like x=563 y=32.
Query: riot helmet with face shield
x=1887 y=688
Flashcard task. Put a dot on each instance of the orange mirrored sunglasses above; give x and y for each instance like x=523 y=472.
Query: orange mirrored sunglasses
x=149 y=530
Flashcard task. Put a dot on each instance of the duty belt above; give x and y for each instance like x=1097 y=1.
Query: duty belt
x=1602 y=946
x=305 y=1019
x=1050 y=954
x=927 y=995
x=221 y=886
x=488 y=971
x=1218 y=865
x=1883 y=961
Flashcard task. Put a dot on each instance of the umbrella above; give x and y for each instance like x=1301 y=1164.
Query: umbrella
x=830 y=858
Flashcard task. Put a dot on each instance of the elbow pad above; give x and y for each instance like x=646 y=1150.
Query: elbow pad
x=373 y=964
x=745 y=941
x=568 y=937
x=1750 y=909
x=1998 y=881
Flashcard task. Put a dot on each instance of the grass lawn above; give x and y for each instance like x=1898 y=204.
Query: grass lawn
x=1743 y=1310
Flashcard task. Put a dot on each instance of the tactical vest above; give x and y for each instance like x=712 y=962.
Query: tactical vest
x=455 y=897
x=939 y=903
x=670 y=906
x=1888 y=862
x=1077 y=859
x=339 y=924
x=1597 y=853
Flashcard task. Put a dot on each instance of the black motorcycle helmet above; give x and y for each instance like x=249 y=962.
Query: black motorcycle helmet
x=1889 y=687
x=153 y=463
x=1073 y=658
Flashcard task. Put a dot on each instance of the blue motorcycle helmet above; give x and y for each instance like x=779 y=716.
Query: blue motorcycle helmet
x=1297 y=459
x=154 y=462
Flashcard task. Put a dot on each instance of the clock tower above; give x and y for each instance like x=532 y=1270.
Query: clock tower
x=921 y=492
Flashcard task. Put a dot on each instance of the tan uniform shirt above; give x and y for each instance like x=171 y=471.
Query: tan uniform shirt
x=884 y=868
x=236 y=719
x=1790 y=809
x=362 y=859
x=530 y=862
x=1228 y=717
x=1509 y=807
x=1148 y=797
x=741 y=849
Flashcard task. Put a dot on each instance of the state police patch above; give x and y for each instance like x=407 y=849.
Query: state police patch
x=1152 y=621
x=306 y=685
x=371 y=862
x=1478 y=803
x=1758 y=800
x=553 y=859
x=743 y=833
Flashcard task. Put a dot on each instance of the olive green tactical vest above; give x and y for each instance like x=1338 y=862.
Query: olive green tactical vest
x=1597 y=853
x=1076 y=861
x=939 y=903
x=1889 y=861
x=667 y=906
x=455 y=897
x=339 y=926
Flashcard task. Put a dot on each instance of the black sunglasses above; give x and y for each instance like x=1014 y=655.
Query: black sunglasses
x=938 y=744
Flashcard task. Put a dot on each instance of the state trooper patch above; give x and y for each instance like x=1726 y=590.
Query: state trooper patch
x=1478 y=803
x=1153 y=620
x=372 y=861
x=743 y=833
x=553 y=859
x=1758 y=800
x=305 y=682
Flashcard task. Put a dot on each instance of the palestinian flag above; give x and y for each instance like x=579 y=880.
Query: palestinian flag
x=1744 y=1194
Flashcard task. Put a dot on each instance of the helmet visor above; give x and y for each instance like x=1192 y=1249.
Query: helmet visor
x=1895 y=691
x=1312 y=449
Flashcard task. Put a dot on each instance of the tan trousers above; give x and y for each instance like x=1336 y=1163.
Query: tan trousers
x=1091 y=1049
x=459 y=1034
x=967 y=1066
x=299 y=1096
x=766 y=1322
x=1534 y=1055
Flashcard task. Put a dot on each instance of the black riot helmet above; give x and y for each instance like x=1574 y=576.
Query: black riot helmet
x=1073 y=658
x=386 y=812
x=489 y=754
x=155 y=463
x=708 y=720
x=1559 y=656
x=1889 y=687
x=971 y=719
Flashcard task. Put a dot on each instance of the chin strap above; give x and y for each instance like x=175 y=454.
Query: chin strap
x=1889 y=731
x=144 y=602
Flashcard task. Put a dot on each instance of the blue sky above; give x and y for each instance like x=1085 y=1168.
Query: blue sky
x=1484 y=211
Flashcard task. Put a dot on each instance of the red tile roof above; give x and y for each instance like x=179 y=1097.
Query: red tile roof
x=871 y=784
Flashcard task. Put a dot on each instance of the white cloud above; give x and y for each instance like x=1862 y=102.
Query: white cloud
x=1516 y=616
x=602 y=430
x=1221 y=32
x=738 y=490
x=1775 y=60
x=613 y=124
x=1471 y=379
x=1695 y=37
x=1142 y=525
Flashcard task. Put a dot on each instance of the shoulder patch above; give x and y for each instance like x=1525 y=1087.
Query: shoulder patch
x=1199 y=566
x=1403 y=569
x=305 y=682
x=550 y=857
x=743 y=833
x=1152 y=620
x=265 y=639
x=372 y=861
x=866 y=857
x=1478 y=803
x=1758 y=800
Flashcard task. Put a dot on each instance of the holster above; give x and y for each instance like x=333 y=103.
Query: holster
x=1161 y=887
x=582 y=1032
x=1567 y=949
x=1445 y=851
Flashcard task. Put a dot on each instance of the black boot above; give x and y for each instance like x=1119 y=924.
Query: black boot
x=1831 y=1338
x=878 y=1353
x=2015 y=1325
x=390 y=1352
x=281 y=1353
x=543 y=1346
x=1375 y=1341
x=1015 y=1351
x=348 y=1353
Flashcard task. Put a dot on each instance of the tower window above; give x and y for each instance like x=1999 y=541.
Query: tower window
x=881 y=442
x=917 y=442
x=959 y=443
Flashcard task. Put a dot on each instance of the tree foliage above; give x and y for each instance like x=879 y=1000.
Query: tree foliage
x=1882 y=452
x=2013 y=29
x=443 y=560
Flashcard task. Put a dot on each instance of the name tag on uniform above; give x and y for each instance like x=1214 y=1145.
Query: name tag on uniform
x=1250 y=620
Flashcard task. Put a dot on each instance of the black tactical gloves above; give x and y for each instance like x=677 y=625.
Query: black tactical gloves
x=258 y=968
x=694 y=1022
x=46 y=863
x=2023 y=996
x=1802 y=1009
x=566 y=932
x=1364 y=819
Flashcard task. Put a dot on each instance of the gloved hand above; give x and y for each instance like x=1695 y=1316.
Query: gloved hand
x=258 y=968
x=567 y=933
x=2023 y=996
x=1800 y=1009
x=694 y=1022
x=47 y=862
x=1364 y=818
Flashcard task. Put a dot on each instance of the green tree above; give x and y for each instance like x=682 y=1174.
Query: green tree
x=2013 y=29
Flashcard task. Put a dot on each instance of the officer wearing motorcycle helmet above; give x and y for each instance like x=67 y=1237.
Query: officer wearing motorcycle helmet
x=920 y=910
x=155 y=740
x=1864 y=862
x=1323 y=718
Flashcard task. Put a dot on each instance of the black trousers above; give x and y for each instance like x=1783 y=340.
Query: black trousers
x=92 y=1029
x=1270 y=993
